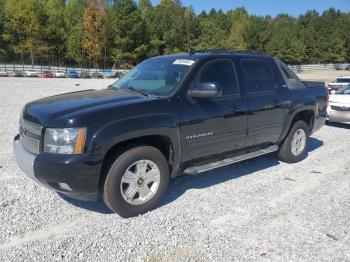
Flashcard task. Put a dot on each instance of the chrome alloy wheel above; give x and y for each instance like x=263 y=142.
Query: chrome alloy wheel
x=298 y=142
x=140 y=182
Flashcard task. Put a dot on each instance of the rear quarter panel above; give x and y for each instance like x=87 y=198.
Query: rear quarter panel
x=310 y=98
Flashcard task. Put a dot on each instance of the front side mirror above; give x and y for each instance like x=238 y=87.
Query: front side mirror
x=333 y=92
x=205 y=90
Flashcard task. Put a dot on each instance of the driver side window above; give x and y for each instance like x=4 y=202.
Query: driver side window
x=222 y=73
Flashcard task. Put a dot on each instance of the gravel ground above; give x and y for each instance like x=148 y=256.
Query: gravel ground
x=257 y=210
x=323 y=75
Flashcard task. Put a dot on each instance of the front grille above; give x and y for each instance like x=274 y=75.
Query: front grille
x=30 y=136
x=340 y=108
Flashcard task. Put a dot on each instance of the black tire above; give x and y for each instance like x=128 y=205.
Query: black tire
x=285 y=152
x=112 y=195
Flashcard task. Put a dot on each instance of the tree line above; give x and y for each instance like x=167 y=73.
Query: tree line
x=99 y=33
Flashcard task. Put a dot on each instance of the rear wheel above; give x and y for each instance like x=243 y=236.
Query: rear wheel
x=294 y=147
x=137 y=181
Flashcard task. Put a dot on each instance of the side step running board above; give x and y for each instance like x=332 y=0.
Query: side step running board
x=228 y=161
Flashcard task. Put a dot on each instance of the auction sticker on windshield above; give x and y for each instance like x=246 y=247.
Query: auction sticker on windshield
x=186 y=62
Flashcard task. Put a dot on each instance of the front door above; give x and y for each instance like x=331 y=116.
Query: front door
x=214 y=125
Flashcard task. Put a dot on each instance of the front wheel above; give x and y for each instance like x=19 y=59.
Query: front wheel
x=137 y=181
x=294 y=147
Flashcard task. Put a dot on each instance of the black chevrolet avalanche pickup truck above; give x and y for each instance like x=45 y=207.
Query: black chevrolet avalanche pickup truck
x=169 y=115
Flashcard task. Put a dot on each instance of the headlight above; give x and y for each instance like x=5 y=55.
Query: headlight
x=64 y=140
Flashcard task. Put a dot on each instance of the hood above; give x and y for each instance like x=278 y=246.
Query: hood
x=337 y=84
x=339 y=98
x=43 y=110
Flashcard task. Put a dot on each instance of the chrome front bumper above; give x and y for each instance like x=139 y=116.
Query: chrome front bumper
x=24 y=159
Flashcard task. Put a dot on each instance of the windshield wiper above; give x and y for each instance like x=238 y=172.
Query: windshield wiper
x=139 y=91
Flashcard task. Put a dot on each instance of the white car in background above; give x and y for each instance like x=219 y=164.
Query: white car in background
x=339 y=105
x=339 y=83
x=31 y=73
x=59 y=73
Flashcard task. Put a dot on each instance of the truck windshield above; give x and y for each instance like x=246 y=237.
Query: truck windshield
x=344 y=90
x=156 y=76
x=343 y=80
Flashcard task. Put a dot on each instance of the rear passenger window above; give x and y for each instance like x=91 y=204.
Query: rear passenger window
x=258 y=76
x=288 y=72
x=220 y=72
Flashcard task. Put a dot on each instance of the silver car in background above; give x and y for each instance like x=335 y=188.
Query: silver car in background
x=3 y=73
x=339 y=105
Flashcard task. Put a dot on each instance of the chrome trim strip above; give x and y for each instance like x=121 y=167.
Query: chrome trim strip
x=228 y=161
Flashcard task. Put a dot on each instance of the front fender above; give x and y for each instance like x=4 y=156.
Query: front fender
x=135 y=127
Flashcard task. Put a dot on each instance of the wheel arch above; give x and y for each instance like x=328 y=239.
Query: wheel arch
x=305 y=114
x=162 y=142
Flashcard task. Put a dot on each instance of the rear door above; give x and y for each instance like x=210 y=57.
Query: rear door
x=265 y=100
x=215 y=125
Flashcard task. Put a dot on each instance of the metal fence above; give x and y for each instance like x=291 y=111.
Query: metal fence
x=9 y=68
x=314 y=67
